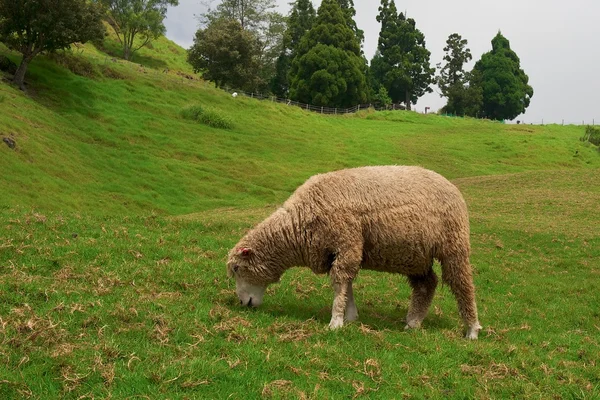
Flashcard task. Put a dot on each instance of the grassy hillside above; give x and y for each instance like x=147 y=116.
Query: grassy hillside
x=120 y=145
x=116 y=214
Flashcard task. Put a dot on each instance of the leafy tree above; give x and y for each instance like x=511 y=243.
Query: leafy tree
x=257 y=17
x=271 y=46
x=328 y=69
x=454 y=83
x=251 y=14
x=402 y=61
x=34 y=26
x=131 y=19
x=300 y=20
x=505 y=89
x=227 y=54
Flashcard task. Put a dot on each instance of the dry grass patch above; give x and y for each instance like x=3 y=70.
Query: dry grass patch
x=292 y=331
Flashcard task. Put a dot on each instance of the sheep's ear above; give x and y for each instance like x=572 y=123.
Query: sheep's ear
x=244 y=251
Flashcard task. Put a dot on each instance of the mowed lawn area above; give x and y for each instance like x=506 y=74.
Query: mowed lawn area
x=116 y=215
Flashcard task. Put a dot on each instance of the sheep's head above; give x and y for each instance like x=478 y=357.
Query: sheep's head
x=251 y=275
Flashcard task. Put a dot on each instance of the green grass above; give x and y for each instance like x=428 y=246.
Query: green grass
x=116 y=215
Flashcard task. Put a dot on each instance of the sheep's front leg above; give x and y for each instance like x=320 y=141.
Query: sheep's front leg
x=339 y=305
x=343 y=304
x=343 y=270
x=351 y=310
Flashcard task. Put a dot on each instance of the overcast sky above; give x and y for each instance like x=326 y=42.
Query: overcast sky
x=558 y=43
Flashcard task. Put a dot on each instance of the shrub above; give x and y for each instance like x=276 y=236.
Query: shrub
x=7 y=65
x=207 y=116
x=591 y=135
x=213 y=118
x=192 y=112
x=76 y=64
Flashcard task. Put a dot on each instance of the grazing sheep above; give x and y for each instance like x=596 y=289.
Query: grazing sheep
x=389 y=218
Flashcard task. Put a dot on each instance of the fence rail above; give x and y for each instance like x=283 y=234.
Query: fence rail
x=352 y=110
x=317 y=109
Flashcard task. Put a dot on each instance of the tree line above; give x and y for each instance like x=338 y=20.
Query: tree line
x=316 y=57
x=310 y=56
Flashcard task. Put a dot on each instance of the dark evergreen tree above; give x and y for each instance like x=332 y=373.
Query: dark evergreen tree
x=505 y=86
x=328 y=69
x=347 y=7
x=402 y=61
x=301 y=19
x=464 y=99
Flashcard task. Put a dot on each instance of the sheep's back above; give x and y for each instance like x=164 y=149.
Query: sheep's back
x=376 y=189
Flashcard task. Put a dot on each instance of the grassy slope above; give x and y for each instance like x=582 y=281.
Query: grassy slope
x=104 y=293
x=120 y=145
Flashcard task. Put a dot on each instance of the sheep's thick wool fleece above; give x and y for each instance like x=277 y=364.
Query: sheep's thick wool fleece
x=387 y=218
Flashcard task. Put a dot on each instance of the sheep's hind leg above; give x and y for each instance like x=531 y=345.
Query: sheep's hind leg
x=459 y=276
x=351 y=310
x=423 y=289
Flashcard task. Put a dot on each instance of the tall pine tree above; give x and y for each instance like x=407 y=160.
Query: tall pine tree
x=455 y=83
x=457 y=55
x=328 y=69
x=402 y=61
x=300 y=20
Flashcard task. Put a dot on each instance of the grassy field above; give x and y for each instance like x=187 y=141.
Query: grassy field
x=116 y=214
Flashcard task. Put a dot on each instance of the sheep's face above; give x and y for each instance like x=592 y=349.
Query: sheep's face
x=250 y=279
x=250 y=295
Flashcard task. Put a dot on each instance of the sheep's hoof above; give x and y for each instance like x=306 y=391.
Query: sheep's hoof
x=412 y=325
x=351 y=315
x=473 y=331
x=336 y=323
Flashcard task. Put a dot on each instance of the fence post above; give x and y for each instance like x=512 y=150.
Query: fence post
x=358 y=108
x=321 y=109
x=335 y=111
